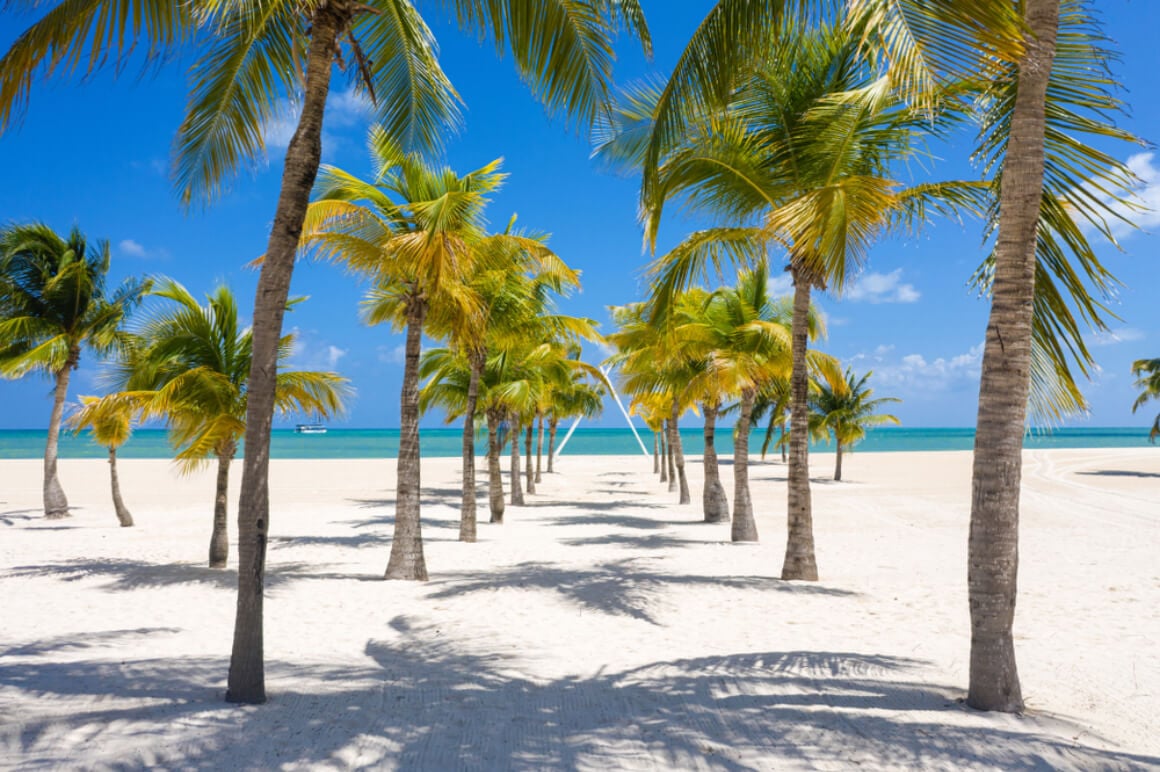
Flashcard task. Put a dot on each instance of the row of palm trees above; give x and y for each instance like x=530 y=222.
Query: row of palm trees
x=814 y=122
x=732 y=345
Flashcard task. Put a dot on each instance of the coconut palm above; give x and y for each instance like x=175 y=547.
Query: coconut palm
x=579 y=399
x=1147 y=372
x=1045 y=91
x=110 y=419
x=191 y=368
x=413 y=231
x=843 y=409
x=54 y=304
x=253 y=55
x=805 y=148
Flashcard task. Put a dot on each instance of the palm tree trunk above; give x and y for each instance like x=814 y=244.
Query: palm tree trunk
x=467 y=513
x=552 y=424
x=219 y=539
x=406 y=561
x=529 y=461
x=838 y=463
x=744 y=524
x=679 y=453
x=517 y=496
x=55 y=502
x=123 y=515
x=656 y=452
x=539 y=445
x=672 y=463
x=494 y=475
x=664 y=454
x=783 y=443
x=993 y=546
x=247 y=675
x=800 y=562
x=714 y=502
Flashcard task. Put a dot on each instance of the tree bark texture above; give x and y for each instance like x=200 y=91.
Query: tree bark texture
x=800 y=562
x=494 y=475
x=219 y=538
x=993 y=543
x=123 y=515
x=539 y=445
x=679 y=454
x=744 y=524
x=656 y=452
x=838 y=463
x=664 y=453
x=714 y=502
x=247 y=679
x=517 y=495
x=467 y=509
x=406 y=561
x=55 y=502
x=553 y=423
x=529 y=461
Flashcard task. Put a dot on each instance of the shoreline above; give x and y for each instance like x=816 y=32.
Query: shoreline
x=602 y=625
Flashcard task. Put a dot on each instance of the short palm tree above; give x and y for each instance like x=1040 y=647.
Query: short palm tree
x=1147 y=372
x=414 y=231
x=844 y=409
x=191 y=368
x=53 y=305
x=110 y=419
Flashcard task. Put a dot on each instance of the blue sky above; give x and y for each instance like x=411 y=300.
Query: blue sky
x=96 y=154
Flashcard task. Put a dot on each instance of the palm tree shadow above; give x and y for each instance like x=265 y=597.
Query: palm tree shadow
x=1119 y=473
x=423 y=701
x=618 y=587
x=125 y=575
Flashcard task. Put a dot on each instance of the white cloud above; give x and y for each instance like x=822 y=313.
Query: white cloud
x=310 y=354
x=131 y=248
x=916 y=374
x=781 y=284
x=882 y=288
x=1112 y=337
x=344 y=109
x=1146 y=194
x=392 y=355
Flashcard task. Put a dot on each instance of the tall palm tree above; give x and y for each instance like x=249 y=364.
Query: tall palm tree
x=110 y=419
x=191 y=368
x=257 y=53
x=54 y=304
x=1147 y=372
x=843 y=409
x=1010 y=55
x=413 y=231
x=804 y=149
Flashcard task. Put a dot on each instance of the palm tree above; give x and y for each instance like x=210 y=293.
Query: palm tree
x=110 y=419
x=191 y=368
x=256 y=53
x=580 y=399
x=53 y=305
x=805 y=146
x=413 y=231
x=843 y=409
x=1147 y=372
x=1012 y=54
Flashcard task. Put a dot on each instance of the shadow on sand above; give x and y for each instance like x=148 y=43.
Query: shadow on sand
x=422 y=702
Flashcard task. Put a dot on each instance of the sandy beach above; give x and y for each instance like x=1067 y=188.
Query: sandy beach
x=601 y=627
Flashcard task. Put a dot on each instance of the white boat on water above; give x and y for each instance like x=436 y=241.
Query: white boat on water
x=310 y=429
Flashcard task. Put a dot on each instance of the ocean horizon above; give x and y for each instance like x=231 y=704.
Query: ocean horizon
x=446 y=442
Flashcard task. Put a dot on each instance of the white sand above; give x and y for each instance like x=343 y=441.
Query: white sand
x=601 y=627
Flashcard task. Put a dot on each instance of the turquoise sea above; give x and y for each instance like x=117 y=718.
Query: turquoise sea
x=384 y=443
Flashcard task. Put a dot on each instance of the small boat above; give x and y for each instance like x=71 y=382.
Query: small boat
x=310 y=429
